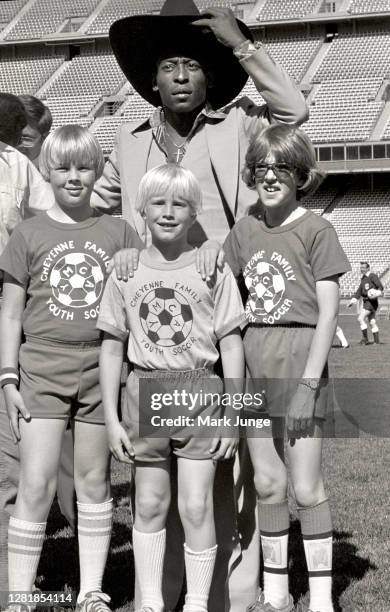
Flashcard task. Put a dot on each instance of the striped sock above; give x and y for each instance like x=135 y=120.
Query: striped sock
x=149 y=552
x=316 y=526
x=274 y=522
x=25 y=541
x=199 y=573
x=94 y=533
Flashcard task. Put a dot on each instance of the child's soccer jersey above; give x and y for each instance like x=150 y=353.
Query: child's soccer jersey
x=281 y=265
x=63 y=266
x=174 y=317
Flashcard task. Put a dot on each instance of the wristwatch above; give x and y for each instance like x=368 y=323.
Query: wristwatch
x=246 y=49
x=312 y=383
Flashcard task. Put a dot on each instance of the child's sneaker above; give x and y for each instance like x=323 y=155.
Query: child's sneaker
x=95 y=601
x=260 y=606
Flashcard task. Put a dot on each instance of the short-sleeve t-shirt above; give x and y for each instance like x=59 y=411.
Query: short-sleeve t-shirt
x=280 y=266
x=63 y=267
x=171 y=317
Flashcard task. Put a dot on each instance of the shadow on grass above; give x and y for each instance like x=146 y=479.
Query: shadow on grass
x=59 y=566
x=121 y=493
x=59 y=563
x=348 y=566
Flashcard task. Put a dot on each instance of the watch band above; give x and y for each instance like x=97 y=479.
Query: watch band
x=311 y=383
x=246 y=49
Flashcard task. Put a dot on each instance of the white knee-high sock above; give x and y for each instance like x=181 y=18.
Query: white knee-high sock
x=94 y=533
x=199 y=573
x=316 y=526
x=341 y=336
x=149 y=551
x=25 y=541
x=274 y=522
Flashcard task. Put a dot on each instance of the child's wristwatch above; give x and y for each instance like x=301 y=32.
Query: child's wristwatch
x=312 y=383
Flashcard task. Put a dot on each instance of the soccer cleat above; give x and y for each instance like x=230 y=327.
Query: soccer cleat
x=261 y=606
x=364 y=341
x=95 y=601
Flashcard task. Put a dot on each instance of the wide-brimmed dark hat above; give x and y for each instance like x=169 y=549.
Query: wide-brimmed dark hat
x=139 y=41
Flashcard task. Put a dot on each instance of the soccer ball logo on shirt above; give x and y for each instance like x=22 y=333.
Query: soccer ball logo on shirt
x=266 y=288
x=166 y=316
x=77 y=280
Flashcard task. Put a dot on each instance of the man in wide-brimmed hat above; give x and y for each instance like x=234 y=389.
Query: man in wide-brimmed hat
x=190 y=65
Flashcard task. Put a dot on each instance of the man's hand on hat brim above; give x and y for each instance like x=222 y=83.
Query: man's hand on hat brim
x=223 y=24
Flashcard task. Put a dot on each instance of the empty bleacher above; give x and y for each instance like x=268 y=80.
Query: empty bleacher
x=321 y=199
x=27 y=75
x=344 y=110
x=363 y=213
x=287 y=9
x=135 y=108
x=362 y=221
x=46 y=16
x=8 y=10
x=97 y=74
x=72 y=109
x=105 y=130
x=360 y=55
x=294 y=54
x=117 y=9
x=369 y=6
x=386 y=133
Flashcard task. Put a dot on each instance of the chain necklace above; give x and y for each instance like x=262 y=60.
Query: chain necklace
x=180 y=149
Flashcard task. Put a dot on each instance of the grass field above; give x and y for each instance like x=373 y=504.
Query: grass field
x=357 y=469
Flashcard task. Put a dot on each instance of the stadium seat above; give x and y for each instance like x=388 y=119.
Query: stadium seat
x=288 y=9
x=46 y=16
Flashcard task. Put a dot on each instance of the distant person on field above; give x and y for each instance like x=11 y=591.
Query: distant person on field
x=22 y=188
x=369 y=290
x=341 y=336
x=39 y=122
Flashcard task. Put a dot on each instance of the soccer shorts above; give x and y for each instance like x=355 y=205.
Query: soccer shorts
x=276 y=357
x=61 y=381
x=184 y=441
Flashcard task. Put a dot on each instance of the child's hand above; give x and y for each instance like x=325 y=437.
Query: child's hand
x=119 y=443
x=224 y=448
x=301 y=409
x=351 y=302
x=15 y=409
x=208 y=257
x=125 y=263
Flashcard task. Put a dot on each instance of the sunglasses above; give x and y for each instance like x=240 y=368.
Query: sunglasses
x=281 y=171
